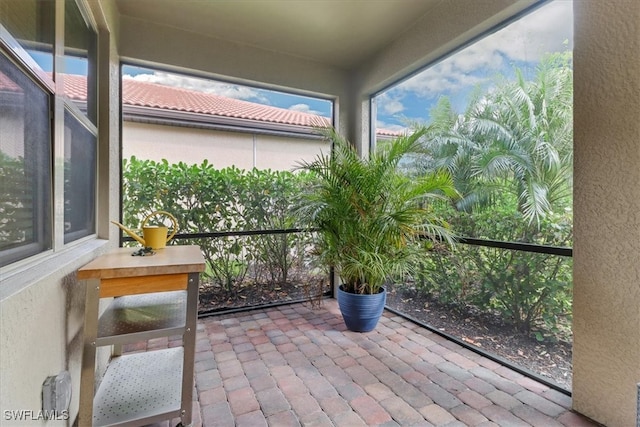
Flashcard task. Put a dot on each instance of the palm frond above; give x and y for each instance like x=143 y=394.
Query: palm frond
x=368 y=212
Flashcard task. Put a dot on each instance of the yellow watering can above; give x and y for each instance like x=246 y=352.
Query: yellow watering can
x=153 y=236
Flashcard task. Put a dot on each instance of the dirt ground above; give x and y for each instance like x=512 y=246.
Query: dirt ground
x=550 y=360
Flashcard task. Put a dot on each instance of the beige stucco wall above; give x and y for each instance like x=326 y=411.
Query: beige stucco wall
x=41 y=302
x=277 y=153
x=41 y=328
x=220 y=148
x=606 y=356
x=188 y=145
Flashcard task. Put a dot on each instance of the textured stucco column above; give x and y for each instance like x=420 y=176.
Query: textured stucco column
x=606 y=355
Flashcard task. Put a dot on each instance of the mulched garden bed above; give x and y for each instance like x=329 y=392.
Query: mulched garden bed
x=485 y=331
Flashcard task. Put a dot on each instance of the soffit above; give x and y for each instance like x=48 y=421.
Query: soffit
x=340 y=33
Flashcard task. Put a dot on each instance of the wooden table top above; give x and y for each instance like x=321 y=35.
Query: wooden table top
x=120 y=263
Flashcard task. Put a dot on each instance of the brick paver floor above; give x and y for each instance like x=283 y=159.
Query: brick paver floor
x=298 y=366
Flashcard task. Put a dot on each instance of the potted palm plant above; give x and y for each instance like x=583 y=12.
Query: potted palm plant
x=368 y=214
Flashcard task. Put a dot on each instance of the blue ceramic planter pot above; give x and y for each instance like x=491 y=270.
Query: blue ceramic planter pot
x=361 y=312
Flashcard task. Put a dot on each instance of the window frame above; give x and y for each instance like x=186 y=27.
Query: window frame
x=70 y=157
x=43 y=200
x=58 y=105
x=470 y=240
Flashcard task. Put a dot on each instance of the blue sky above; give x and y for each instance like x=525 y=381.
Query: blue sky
x=522 y=43
x=247 y=93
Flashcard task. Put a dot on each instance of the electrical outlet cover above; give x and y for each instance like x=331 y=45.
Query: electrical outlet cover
x=56 y=392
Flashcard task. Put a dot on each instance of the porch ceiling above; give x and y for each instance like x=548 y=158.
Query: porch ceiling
x=339 y=33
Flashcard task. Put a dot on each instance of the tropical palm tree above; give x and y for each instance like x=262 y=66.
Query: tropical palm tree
x=519 y=137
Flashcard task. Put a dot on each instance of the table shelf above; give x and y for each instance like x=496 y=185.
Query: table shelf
x=135 y=318
x=154 y=296
x=140 y=388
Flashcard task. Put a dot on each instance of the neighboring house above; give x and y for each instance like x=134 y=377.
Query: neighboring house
x=180 y=125
x=185 y=125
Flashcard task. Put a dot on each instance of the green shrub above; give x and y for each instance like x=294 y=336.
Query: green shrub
x=204 y=200
x=532 y=291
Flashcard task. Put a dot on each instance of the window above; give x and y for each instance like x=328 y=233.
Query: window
x=25 y=165
x=30 y=22
x=235 y=177
x=29 y=125
x=80 y=141
x=79 y=61
x=80 y=155
x=500 y=111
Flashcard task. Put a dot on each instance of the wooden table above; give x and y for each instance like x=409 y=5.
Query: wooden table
x=155 y=296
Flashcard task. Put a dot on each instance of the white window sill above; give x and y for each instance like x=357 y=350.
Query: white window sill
x=18 y=276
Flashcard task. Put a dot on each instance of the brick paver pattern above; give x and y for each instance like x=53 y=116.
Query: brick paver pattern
x=298 y=366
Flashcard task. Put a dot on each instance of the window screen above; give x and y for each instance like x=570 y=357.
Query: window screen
x=25 y=165
x=79 y=179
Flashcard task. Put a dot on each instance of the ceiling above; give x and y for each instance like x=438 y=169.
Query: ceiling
x=342 y=33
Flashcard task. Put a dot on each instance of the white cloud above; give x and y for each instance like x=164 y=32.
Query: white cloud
x=201 y=85
x=455 y=73
x=389 y=105
x=393 y=106
x=444 y=77
x=544 y=30
x=305 y=108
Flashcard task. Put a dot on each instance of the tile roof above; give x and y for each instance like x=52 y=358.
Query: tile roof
x=144 y=94
x=8 y=84
x=173 y=98
x=151 y=95
x=75 y=87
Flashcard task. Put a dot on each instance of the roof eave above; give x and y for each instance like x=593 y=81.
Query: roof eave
x=140 y=114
